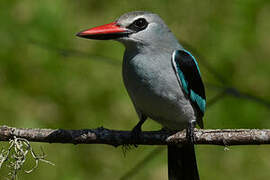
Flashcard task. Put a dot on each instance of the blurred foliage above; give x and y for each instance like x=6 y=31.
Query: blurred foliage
x=41 y=87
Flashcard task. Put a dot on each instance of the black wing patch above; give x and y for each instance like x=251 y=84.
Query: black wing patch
x=188 y=73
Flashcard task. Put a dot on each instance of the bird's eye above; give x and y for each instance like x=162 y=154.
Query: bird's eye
x=140 y=23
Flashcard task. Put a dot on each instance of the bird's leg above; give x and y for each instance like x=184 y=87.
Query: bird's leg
x=138 y=128
x=135 y=134
x=136 y=131
x=190 y=131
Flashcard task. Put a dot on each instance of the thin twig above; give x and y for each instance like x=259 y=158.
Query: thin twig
x=233 y=91
x=72 y=52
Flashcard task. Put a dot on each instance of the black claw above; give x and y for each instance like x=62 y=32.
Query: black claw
x=135 y=135
x=126 y=148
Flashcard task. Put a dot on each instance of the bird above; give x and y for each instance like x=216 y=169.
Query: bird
x=162 y=79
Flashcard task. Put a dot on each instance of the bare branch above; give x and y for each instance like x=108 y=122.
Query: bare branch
x=101 y=135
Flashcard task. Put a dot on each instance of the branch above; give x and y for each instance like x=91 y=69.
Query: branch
x=101 y=135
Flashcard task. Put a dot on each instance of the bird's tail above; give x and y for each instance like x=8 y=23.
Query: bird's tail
x=182 y=163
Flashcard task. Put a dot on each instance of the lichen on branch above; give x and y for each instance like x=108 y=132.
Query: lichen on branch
x=15 y=156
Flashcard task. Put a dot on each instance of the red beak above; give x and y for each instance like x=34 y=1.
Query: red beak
x=105 y=32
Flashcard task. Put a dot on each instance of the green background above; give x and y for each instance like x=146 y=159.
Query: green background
x=45 y=87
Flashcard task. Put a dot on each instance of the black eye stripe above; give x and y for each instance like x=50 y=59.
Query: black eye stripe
x=138 y=25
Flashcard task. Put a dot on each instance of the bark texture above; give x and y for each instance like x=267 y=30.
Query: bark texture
x=225 y=137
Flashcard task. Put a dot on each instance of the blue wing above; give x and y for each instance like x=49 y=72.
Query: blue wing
x=189 y=76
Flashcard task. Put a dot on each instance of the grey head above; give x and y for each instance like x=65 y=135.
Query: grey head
x=138 y=29
x=148 y=29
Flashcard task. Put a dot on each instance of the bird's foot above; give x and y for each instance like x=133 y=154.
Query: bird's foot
x=190 y=132
x=136 y=134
